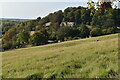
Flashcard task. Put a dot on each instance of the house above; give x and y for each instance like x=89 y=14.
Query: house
x=48 y=24
x=68 y=24
x=32 y=32
x=71 y=24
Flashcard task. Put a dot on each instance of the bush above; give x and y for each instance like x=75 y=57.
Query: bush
x=104 y=31
x=84 y=31
x=110 y=30
x=67 y=33
x=95 y=32
x=38 y=38
x=7 y=45
x=22 y=38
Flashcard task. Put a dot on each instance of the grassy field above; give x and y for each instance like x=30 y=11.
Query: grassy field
x=95 y=57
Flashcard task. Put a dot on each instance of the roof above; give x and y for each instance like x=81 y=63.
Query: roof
x=32 y=32
x=70 y=22
x=48 y=24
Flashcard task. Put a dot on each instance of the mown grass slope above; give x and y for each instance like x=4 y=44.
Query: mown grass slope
x=95 y=57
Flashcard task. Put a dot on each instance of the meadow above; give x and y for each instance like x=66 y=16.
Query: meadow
x=95 y=57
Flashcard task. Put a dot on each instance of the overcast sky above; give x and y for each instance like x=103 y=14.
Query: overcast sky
x=31 y=9
x=44 y=0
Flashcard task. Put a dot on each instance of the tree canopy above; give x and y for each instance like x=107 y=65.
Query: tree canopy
x=77 y=22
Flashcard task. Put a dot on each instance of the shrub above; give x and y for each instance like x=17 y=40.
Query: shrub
x=95 y=32
x=110 y=30
x=22 y=38
x=84 y=31
x=38 y=38
x=67 y=33
x=104 y=31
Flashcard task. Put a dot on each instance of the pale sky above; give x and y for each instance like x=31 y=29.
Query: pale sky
x=44 y=0
x=31 y=9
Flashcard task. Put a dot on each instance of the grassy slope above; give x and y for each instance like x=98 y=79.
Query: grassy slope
x=84 y=58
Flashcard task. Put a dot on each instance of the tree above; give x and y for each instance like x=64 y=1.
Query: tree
x=109 y=23
x=67 y=32
x=104 y=31
x=9 y=39
x=116 y=16
x=110 y=30
x=38 y=38
x=39 y=18
x=95 y=32
x=22 y=38
x=78 y=17
x=84 y=16
x=53 y=30
x=105 y=5
x=9 y=34
x=91 y=6
x=84 y=31
x=96 y=20
x=44 y=20
x=7 y=25
x=56 y=17
x=63 y=33
x=31 y=25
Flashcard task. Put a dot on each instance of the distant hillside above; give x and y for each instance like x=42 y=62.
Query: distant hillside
x=62 y=25
x=13 y=20
x=95 y=57
x=8 y=23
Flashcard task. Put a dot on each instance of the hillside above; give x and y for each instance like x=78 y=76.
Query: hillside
x=84 y=58
x=62 y=25
x=13 y=20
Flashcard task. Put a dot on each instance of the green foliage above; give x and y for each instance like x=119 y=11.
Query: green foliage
x=97 y=19
x=110 y=30
x=67 y=32
x=31 y=25
x=84 y=31
x=56 y=17
x=38 y=38
x=95 y=32
x=116 y=16
x=105 y=20
x=77 y=14
x=84 y=58
x=7 y=25
x=22 y=38
x=53 y=31
x=44 y=20
x=54 y=27
x=91 y=6
x=8 y=39
x=62 y=33
x=95 y=24
x=9 y=34
x=104 y=31
x=109 y=23
x=39 y=18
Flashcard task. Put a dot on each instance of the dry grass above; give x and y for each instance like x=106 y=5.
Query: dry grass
x=86 y=58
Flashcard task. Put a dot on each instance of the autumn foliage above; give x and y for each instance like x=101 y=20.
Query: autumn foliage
x=104 y=5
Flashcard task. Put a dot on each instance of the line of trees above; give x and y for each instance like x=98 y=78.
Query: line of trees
x=89 y=22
